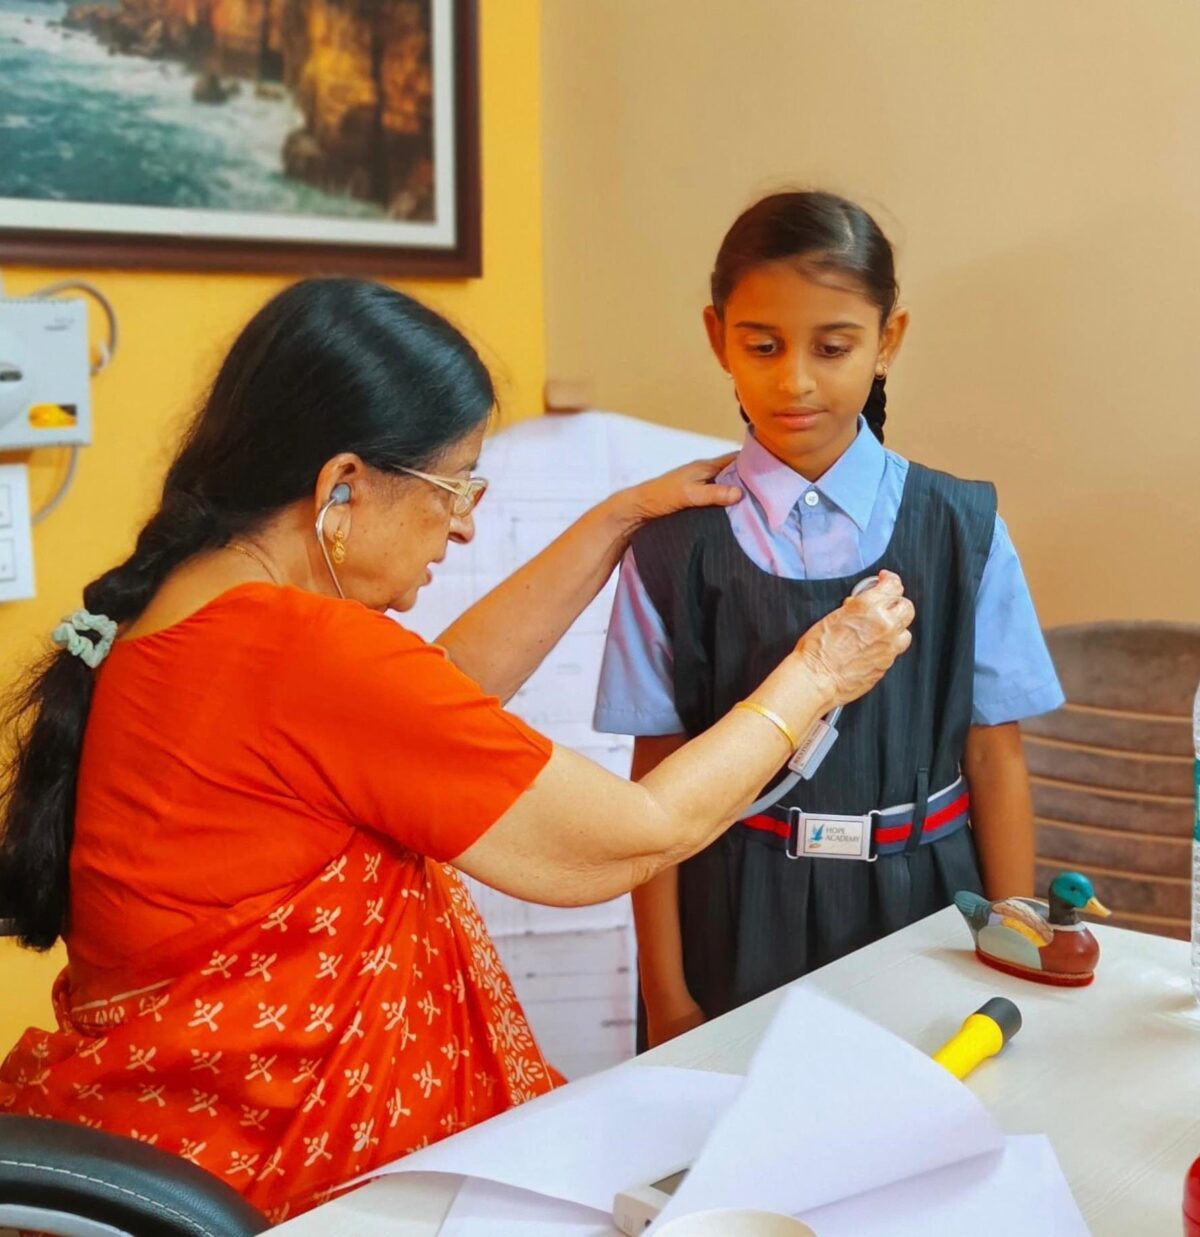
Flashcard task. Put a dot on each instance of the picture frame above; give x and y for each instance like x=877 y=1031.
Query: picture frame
x=307 y=136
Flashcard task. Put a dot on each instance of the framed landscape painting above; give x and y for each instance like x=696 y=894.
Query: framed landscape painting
x=300 y=135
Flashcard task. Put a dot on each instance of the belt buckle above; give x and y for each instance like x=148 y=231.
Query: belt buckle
x=827 y=835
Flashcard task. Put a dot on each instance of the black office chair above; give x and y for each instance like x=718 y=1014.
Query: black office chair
x=70 y=1181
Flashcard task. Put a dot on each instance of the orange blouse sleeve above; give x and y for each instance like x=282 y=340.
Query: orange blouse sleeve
x=370 y=723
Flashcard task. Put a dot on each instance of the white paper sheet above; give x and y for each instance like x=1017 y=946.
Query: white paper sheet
x=838 y=1122
x=485 y=1209
x=833 y=1106
x=586 y=1142
x=1019 y=1189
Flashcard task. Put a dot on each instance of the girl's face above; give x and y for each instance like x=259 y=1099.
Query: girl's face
x=802 y=349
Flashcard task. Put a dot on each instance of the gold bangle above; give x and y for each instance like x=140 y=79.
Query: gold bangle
x=773 y=718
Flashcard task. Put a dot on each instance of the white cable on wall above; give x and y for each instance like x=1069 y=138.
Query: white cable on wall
x=107 y=351
x=55 y=500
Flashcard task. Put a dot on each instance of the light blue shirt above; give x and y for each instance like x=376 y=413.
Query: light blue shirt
x=817 y=530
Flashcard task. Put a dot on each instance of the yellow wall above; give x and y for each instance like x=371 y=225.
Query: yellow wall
x=1035 y=163
x=174 y=329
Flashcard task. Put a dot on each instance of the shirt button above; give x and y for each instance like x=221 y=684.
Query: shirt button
x=811 y=498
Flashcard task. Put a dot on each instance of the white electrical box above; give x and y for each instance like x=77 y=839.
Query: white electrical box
x=16 y=542
x=44 y=374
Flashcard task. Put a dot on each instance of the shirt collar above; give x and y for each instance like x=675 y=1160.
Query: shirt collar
x=851 y=484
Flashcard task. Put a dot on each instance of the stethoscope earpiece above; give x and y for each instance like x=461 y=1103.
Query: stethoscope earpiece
x=338 y=496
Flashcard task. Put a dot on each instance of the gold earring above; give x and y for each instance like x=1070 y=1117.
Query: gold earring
x=338 y=552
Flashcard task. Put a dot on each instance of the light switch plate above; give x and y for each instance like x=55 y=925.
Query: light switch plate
x=16 y=539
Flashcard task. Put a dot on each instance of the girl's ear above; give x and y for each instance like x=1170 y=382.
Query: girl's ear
x=716 y=336
x=892 y=336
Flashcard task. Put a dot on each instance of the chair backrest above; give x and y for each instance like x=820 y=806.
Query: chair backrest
x=1112 y=769
x=72 y=1181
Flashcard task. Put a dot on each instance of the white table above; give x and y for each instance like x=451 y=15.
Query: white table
x=1111 y=1072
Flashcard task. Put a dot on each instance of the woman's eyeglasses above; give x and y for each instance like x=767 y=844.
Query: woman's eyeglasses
x=466 y=493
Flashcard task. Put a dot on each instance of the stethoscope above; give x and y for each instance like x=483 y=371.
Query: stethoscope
x=807 y=758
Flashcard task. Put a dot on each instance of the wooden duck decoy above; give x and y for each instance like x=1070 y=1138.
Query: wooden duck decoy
x=1042 y=941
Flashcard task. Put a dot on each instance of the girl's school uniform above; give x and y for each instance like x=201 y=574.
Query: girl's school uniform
x=710 y=601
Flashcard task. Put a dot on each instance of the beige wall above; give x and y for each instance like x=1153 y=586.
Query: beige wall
x=1037 y=163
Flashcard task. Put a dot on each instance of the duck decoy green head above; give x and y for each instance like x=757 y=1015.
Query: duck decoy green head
x=1076 y=890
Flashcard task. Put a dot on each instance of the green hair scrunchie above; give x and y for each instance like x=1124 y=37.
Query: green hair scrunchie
x=69 y=635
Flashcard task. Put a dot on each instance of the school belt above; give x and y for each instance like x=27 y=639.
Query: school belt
x=885 y=831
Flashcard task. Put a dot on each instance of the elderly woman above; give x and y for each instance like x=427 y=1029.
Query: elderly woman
x=241 y=792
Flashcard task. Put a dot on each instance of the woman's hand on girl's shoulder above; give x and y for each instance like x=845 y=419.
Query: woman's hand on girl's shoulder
x=693 y=485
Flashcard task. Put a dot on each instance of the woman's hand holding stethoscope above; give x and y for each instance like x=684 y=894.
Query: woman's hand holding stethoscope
x=850 y=649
